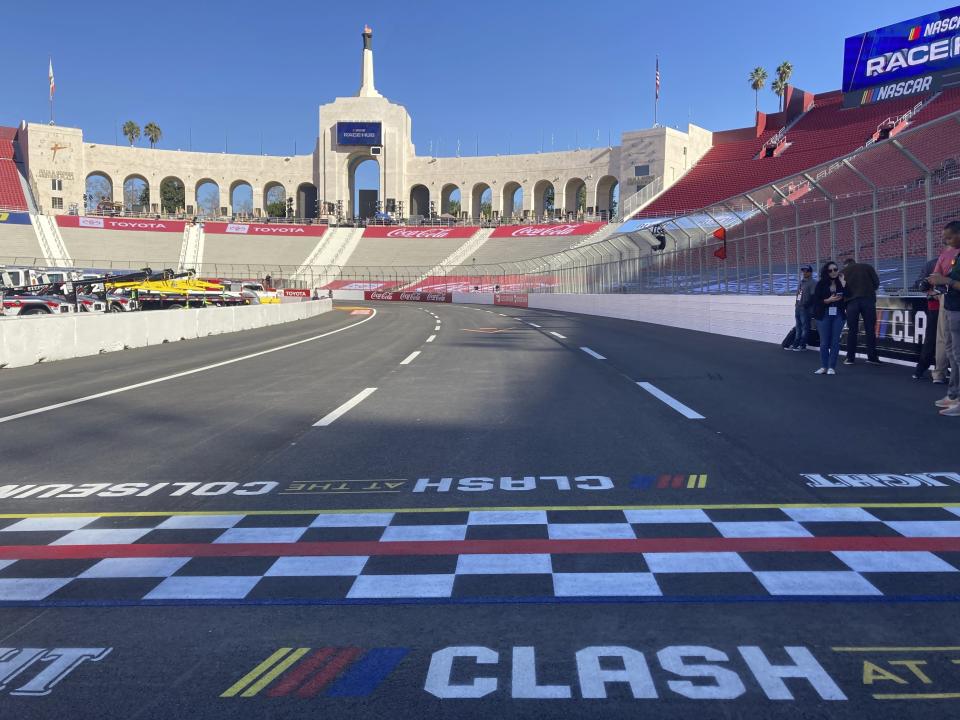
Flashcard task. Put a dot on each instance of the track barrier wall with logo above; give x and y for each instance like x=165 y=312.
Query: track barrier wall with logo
x=408 y=296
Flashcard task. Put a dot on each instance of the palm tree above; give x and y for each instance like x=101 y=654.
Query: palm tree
x=131 y=131
x=779 y=87
x=152 y=132
x=757 y=79
x=784 y=72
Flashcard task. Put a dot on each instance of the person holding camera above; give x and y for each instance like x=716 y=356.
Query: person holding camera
x=928 y=350
x=951 y=243
x=829 y=310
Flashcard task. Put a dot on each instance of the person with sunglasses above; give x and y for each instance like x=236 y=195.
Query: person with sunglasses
x=830 y=314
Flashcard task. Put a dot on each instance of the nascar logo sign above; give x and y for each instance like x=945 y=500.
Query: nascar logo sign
x=907 y=58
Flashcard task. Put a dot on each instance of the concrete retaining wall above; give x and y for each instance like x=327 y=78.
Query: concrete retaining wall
x=29 y=340
x=753 y=317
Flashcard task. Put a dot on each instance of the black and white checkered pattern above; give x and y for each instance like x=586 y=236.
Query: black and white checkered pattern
x=289 y=577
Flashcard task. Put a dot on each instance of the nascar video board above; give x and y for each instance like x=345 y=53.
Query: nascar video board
x=911 y=57
x=359 y=133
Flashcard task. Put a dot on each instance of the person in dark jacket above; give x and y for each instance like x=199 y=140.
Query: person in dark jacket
x=929 y=349
x=828 y=309
x=862 y=283
x=801 y=311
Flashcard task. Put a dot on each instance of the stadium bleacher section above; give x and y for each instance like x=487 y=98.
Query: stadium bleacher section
x=734 y=165
x=11 y=192
x=401 y=252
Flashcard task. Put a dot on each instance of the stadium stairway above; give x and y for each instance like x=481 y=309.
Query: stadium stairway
x=456 y=258
x=51 y=240
x=191 y=250
x=330 y=254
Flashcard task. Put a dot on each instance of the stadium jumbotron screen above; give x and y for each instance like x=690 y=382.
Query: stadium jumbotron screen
x=357 y=133
x=909 y=57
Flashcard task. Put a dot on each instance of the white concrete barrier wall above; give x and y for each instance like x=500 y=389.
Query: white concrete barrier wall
x=29 y=340
x=752 y=317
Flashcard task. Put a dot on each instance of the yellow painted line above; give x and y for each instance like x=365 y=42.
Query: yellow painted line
x=255 y=673
x=931 y=648
x=917 y=696
x=275 y=672
x=483 y=508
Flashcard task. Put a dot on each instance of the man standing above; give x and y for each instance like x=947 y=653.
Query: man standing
x=862 y=285
x=801 y=311
x=951 y=242
x=951 y=303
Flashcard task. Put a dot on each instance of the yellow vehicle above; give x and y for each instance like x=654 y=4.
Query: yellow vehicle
x=175 y=292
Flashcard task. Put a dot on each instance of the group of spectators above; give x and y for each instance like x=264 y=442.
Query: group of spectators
x=845 y=296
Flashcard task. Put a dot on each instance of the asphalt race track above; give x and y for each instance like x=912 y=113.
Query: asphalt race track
x=471 y=512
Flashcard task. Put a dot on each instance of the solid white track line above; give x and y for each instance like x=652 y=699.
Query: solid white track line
x=351 y=403
x=593 y=353
x=185 y=373
x=410 y=358
x=672 y=402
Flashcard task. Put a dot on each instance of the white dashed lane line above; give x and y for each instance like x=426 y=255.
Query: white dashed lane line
x=593 y=353
x=351 y=403
x=556 y=334
x=431 y=338
x=410 y=358
x=671 y=401
x=533 y=325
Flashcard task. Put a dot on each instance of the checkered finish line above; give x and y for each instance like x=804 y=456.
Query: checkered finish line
x=512 y=555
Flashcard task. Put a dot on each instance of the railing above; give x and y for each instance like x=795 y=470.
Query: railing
x=640 y=198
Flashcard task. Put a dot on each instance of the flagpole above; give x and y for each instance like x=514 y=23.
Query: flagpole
x=656 y=94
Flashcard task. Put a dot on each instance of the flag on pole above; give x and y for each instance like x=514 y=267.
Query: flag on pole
x=658 y=78
x=50 y=75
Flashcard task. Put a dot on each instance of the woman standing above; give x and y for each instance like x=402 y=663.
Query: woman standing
x=829 y=312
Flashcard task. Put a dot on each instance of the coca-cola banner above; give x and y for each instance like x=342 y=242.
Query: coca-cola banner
x=511 y=299
x=120 y=223
x=417 y=232
x=271 y=229
x=555 y=230
x=408 y=296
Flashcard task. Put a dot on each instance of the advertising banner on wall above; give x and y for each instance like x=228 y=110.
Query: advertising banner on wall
x=271 y=229
x=359 y=133
x=415 y=232
x=557 y=230
x=120 y=223
x=919 y=55
x=408 y=296
x=14 y=218
x=511 y=299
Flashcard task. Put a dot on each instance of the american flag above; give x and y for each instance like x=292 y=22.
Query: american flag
x=50 y=77
x=658 y=78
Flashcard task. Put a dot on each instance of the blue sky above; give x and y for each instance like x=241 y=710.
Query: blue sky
x=501 y=75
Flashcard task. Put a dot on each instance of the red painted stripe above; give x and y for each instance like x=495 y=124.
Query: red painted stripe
x=678 y=481
x=301 y=672
x=469 y=547
x=663 y=481
x=333 y=668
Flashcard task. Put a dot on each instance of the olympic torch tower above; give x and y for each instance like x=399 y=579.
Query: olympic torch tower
x=367 y=88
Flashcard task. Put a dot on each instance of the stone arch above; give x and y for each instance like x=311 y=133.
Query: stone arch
x=172 y=195
x=136 y=194
x=512 y=199
x=575 y=196
x=207 y=195
x=241 y=198
x=450 y=200
x=544 y=198
x=365 y=192
x=481 y=200
x=307 y=201
x=608 y=195
x=275 y=194
x=98 y=187
x=419 y=201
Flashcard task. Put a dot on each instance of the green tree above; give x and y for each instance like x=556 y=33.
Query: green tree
x=131 y=131
x=779 y=86
x=486 y=209
x=454 y=208
x=277 y=209
x=172 y=196
x=549 y=198
x=757 y=79
x=152 y=132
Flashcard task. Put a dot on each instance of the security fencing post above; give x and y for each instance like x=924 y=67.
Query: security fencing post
x=927 y=182
x=903 y=234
